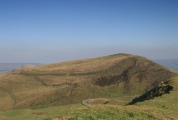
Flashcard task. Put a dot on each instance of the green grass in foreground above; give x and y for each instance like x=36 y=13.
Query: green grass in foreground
x=98 y=112
x=147 y=111
x=78 y=111
x=38 y=114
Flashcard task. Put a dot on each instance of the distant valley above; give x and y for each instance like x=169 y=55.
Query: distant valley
x=169 y=63
x=5 y=67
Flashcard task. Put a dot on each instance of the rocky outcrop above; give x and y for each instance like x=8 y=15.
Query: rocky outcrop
x=163 y=88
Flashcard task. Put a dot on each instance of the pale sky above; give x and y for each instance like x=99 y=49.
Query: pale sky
x=50 y=31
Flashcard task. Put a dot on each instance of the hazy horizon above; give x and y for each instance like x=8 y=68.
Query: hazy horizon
x=43 y=63
x=169 y=63
x=50 y=31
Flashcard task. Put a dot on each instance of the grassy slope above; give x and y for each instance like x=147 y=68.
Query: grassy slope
x=74 y=81
x=54 y=84
x=163 y=108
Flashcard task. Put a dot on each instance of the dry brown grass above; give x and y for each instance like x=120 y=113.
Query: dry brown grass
x=86 y=65
x=56 y=80
x=3 y=118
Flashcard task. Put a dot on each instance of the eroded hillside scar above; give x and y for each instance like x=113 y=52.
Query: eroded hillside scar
x=122 y=74
x=163 y=88
x=133 y=69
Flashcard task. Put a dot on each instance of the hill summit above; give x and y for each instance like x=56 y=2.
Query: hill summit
x=74 y=81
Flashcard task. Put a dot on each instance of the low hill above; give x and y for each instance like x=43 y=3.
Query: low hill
x=7 y=67
x=74 y=81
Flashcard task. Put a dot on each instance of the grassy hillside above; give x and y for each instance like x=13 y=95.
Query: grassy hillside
x=74 y=81
x=164 y=107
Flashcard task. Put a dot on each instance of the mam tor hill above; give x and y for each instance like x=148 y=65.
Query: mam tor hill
x=74 y=81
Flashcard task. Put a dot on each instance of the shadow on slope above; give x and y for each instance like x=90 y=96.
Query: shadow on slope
x=137 y=74
x=163 y=88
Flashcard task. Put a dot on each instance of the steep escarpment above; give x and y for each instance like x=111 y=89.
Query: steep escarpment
x=135 y=73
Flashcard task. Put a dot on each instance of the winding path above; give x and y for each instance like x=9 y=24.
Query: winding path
x=86 y=102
